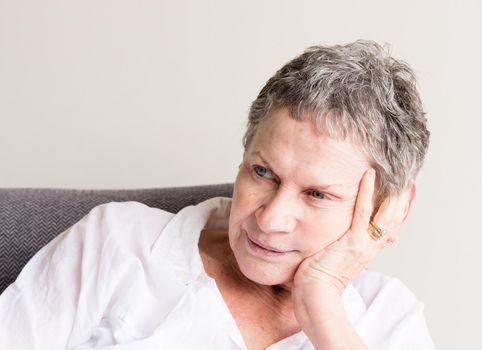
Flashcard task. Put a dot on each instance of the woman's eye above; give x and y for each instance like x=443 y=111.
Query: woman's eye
x=261 y=171
x=317 y=194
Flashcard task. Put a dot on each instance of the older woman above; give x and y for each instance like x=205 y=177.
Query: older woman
x=334 y=142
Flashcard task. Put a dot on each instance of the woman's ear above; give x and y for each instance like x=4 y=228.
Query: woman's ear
x=408 y=197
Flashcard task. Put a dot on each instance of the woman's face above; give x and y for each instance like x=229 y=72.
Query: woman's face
x=294 y=195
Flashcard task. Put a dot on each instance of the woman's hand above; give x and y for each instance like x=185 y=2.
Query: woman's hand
x=322 y=277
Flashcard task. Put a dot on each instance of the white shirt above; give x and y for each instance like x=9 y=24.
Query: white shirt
x=127 y=276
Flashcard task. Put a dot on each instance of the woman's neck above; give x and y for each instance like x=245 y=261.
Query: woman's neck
x=220 y=264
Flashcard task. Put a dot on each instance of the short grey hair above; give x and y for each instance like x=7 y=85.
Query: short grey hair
x=358 y=91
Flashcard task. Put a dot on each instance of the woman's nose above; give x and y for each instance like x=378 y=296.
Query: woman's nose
x=277 y=213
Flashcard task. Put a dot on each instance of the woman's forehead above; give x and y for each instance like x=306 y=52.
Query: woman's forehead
x=297 y=153
x=302 y=139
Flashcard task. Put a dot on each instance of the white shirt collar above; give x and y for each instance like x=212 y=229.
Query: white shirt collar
x=179 y=242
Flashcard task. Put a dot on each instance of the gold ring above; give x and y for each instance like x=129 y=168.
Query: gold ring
x=377 y=232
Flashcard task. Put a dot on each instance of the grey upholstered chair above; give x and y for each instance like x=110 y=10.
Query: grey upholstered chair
x=30 y=218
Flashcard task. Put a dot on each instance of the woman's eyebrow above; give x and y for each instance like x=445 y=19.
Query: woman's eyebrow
x=258 y=153
x=314 y=186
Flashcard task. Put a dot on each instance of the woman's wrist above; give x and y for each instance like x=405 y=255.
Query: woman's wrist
x=321 y=314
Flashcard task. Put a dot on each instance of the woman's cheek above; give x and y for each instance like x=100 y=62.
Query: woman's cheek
x=244 y=197
x=251 y=190
x=325 y=227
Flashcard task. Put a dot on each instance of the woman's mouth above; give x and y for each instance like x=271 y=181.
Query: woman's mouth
x=261 y=249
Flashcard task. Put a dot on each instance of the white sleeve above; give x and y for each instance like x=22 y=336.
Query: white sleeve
x=63 y=289
x=394 y=318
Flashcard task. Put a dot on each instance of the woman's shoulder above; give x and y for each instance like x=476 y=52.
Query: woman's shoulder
x=117 y=214
x=127 y=208
x=118 y=223
x=130 y=225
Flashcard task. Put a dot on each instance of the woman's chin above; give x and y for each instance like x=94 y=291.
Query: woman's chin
x=266 y=276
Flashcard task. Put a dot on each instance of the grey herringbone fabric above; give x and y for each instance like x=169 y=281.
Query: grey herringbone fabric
x=30 y=218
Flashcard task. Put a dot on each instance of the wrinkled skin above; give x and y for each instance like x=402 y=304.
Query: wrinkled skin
x=309 y=197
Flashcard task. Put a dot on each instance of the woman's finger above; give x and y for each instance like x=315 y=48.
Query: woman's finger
x=390 y=215
x=364 y=202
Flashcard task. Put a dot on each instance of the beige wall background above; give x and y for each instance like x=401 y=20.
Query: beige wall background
x=138 y=94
